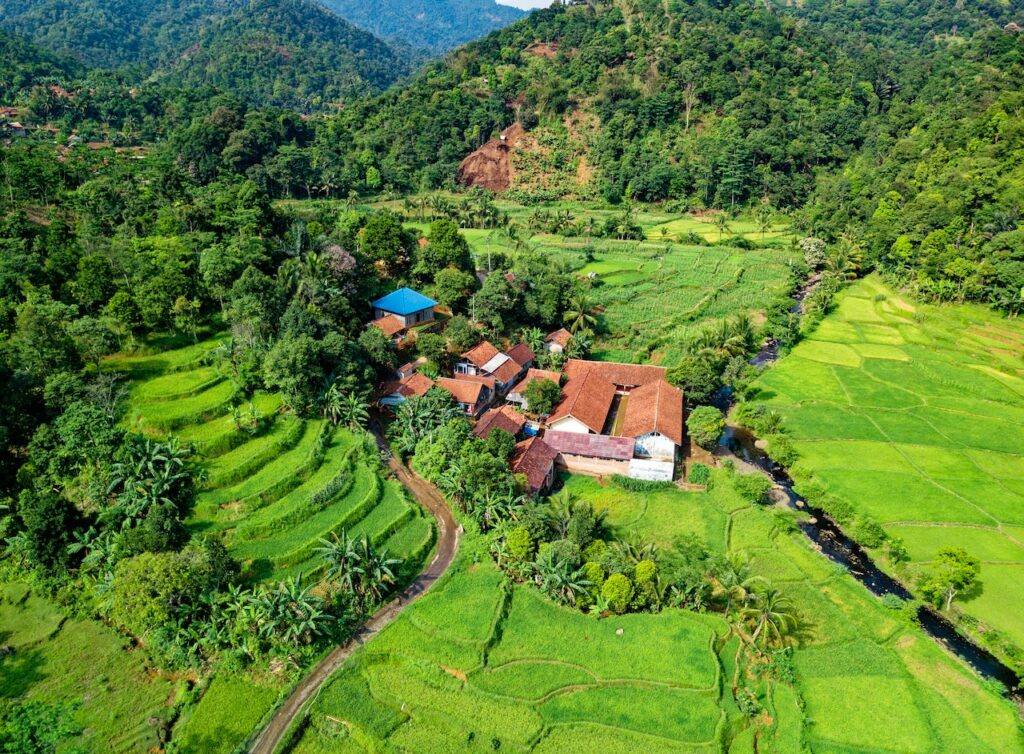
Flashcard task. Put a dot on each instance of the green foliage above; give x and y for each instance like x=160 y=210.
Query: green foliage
x=542 y=396
x=617 y=590
x=752 y=488
x=699 y=474
x=639 y=485
x=953 y=572
x=705 y=425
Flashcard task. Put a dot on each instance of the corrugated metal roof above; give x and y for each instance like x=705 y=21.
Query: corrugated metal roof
x=592 y=446
x=404 y=301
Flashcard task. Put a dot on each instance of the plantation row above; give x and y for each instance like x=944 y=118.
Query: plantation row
x=275 y=484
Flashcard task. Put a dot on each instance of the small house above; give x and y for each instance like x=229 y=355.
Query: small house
x=405 y=305
x=596 y=455
x=517 y=394
x=472 y=395
x=478 y=358
x=534 y=460
x=505 y=417
x=397 y=392
x=558 y=341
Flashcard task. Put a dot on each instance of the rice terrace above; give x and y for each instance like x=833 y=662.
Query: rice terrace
x=516 y=376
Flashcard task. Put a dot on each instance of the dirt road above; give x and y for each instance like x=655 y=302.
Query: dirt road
x=447 y=544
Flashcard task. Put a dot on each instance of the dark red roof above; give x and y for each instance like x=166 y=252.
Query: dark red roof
x=591 y=446
x=389 y=325
x=561 y=337
x=464 y=391
x=415 y=384
x=535 y=374
x=521 y=354
x=533 y=459
x=506 y=418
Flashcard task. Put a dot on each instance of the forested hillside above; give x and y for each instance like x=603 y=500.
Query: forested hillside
x=290 y=53
x=435 y=25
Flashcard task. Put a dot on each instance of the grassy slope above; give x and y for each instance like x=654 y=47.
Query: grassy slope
x=913 y=414
x=265 y=497
x=120 y=706
x=535 y=677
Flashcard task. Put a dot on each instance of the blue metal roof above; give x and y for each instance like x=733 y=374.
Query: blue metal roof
x=404 y=301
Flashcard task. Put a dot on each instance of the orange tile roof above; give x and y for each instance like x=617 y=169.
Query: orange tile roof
x=626 y=375
x=561 y=337
x=533 y=459
x=389 y=325
x=508 y=371
x=588 y=399
x=522 y=354
x=414 y=384
x=463 y=391
x=506 y=418
x=488 y=381
x=481 y=354
x=655 y=407
x=536 y=374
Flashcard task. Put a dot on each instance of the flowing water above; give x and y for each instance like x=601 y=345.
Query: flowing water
x=835 y=545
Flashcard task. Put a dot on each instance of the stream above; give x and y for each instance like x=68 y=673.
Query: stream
x=836 y=546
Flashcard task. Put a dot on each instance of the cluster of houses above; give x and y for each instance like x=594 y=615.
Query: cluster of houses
x=612 y=418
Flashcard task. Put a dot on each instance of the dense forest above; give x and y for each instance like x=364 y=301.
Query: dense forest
x=434 y=25
x=290 y=53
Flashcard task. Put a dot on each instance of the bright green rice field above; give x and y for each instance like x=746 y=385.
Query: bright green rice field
x=914 y=414
x=479 y=666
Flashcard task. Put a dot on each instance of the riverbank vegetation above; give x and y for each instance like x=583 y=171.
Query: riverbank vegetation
x=902 y=420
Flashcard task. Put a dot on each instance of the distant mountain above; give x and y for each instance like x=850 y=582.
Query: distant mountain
x=24 y=65
x=435 y=25
x=290 y=53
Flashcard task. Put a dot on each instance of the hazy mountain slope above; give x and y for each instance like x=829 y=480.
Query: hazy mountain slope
x=288 y=53
x=23 y=65
x=436 y=25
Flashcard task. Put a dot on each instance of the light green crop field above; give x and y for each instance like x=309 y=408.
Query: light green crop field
x=478 y=665
x=117 y=705
x=914 y=414
x=272 y=492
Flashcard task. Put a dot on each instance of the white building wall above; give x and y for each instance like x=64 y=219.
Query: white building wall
x=655 y=445
x=654 y=471
x=570 y=424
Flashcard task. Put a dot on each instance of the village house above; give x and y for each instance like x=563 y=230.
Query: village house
x=596 y=455
x=534 y=460
x=472 y=394
x=517 y=394
x=504 y=417
x=558 y=341
x=484 y=360
x=406 y=305
x=397 y=392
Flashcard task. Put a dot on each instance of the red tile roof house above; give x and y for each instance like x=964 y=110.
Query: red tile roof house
x=535 y=460
x=517 y=393
x=472 y=394
x=486 y=360
x=613 y=401
x=397 y=392
x=557 y=341
x=505 y=417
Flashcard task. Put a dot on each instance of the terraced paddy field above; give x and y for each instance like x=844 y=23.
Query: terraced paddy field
x=276 y=485
x=914 y=415
x=478 y=665
x=108 y=696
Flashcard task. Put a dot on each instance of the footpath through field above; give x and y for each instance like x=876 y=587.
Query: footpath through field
x=447 y=543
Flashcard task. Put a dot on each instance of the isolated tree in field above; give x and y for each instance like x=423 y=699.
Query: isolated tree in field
x=721 y=224
x=542 y=396
x=705 y=425
x=770 y=617
x=953 y=572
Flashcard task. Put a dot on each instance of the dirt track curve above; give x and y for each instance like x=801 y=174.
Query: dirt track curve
x=447 y=544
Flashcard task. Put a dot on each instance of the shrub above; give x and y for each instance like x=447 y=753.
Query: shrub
x=699 y=474
x=520 y=544
x=752 y=488
x=869 y=533
x=639 y=485
x=617 y=592
x=781 y=449
x=705 y=425
x=595 y=550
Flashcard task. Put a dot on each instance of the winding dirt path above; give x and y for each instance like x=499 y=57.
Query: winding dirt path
x=447 y=544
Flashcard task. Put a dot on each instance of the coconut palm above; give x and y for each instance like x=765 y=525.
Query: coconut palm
x=721 y=222
x=582 y=314
x=771 y=618
x=733 y=583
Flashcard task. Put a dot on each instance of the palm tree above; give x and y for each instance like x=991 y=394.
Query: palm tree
x=733 y=582
x=343 y=565
x=581 y=314
x=721 y=224
x=771 y=617
x=378 y=572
